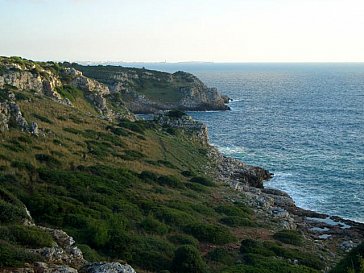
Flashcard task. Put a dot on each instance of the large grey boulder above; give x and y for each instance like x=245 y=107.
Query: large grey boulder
x=107 y=268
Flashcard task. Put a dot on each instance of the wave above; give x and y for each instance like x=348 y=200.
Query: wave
x=231 y=150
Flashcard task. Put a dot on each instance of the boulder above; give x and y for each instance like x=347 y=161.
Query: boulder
x=107 y=268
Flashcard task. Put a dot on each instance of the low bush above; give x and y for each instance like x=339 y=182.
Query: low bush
x=12 y=256
x=152 y=253
x=187 y=173
x=133 y=126
x=236 y=221
x=187 y=259
x=32 y=237
x=72 y=131
x=43 y=119
x=10 y=213
x=210 y=233
x=221 y=255
x=251 y=248
x=173 y=216
x=232 y=210
x=132 y=155
x=148 y=177
x=352 y=263
x=153 y=226
x=49 y=160
x=176 y=114
x=292 y=237
x=203 y=181
x=170 y=181
x=183 y=239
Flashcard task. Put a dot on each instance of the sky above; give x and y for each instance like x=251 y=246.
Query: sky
x=188 y=30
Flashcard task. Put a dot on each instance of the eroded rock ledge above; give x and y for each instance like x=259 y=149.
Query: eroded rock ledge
x=334 y=235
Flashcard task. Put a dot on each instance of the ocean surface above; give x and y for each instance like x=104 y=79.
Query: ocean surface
x=303 y=122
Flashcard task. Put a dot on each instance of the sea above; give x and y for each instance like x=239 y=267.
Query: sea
x=302 y=122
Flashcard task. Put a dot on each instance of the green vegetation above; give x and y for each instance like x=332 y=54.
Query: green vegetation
x=187 y=259
x=127 y=190
x=154 y=85
x=352 y=263
x=292 y=237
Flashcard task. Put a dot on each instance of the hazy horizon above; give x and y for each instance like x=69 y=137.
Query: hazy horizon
x=232 y=31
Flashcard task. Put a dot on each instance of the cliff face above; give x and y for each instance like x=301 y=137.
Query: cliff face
x=23 y=80
x=148 y=91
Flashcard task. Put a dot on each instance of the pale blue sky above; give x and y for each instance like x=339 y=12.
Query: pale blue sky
x=189 y=30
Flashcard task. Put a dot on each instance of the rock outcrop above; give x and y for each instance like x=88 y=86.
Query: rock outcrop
x=63 y=256
x=49 y=79
x=148 y=91
x=178 y=120
x=107 y=268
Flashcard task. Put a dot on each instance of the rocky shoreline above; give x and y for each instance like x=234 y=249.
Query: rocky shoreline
x=331 y=236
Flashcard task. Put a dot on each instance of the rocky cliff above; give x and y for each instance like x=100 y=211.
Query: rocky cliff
x=23 y=80
x=148 y=91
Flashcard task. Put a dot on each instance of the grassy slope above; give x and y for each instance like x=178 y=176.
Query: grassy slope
x=127 y=191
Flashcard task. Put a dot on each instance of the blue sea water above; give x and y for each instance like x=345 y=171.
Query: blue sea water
x=303 y=122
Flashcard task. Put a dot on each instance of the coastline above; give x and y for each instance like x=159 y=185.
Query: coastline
x=333 y=233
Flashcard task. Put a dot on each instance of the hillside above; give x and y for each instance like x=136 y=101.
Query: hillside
x=148 y=91
x=152 y=194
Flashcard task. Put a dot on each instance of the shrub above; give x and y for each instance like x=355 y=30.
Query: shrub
x=41 y=118
x=353 y=262
x=252 y=246
x=148 y=176
x=152 y=253
x=13 y=256
x=202 y=180
x=170 y=181
x=183 y=239
x=187 y=259
x=69 y=92
x=10 y=213
x=100 y=149
x=187 y=173
x=173 y=216
x=25 y=139
x=26 y=236
x=210 y=233
x=221 y=255
x=196 y=187
x=252 y=249
x=236 y=221
x=132 y=126
x=49 y=160
x=132 y=155
x=72 y=131
x=176 y=114
x=89 y=254
x=152 y=225
x=21 y=96
x=232 y=210
x=292 y=237
x=23 y=165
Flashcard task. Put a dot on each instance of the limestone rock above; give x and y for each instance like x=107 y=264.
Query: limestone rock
x=16 y=117
x=4 y=117
x=107 y=268
x=34 y=130
x=196 y=129
x=46 y=268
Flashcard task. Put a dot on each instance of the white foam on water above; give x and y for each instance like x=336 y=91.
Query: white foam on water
x=231 y=150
